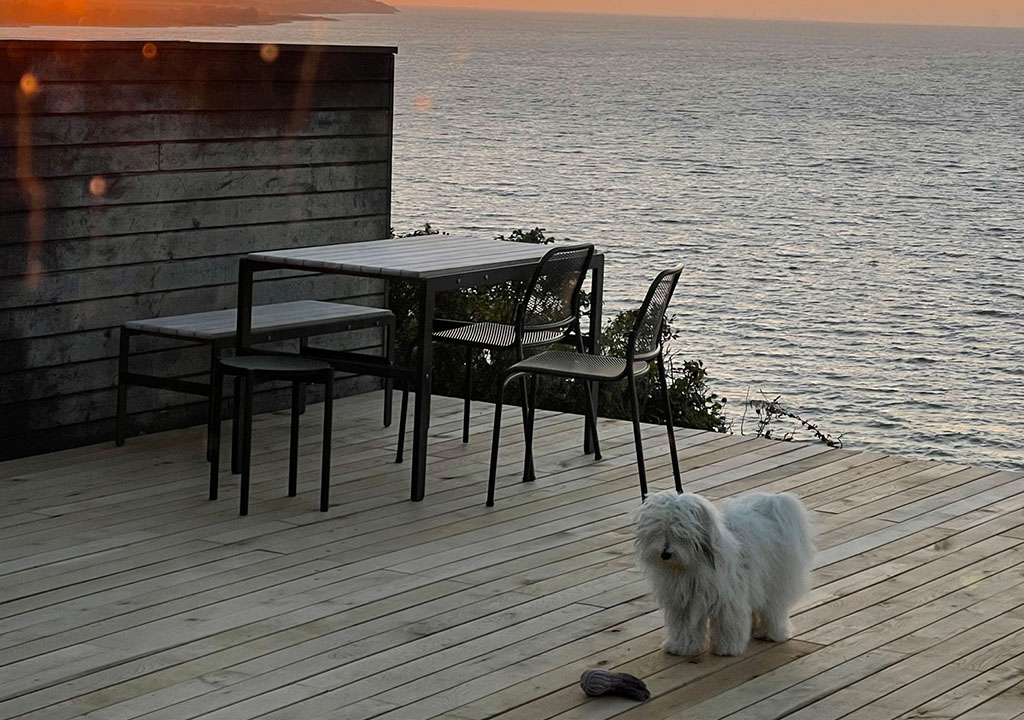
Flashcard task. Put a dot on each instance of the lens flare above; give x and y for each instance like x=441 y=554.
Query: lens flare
x=269 y=52
x=29 y=84
x=423 y=103
x=97 y=186
x=149 y=51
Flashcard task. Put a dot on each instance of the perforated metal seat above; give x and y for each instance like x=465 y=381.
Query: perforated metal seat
x=643 y=347
x=495 y=336
x=581 y=366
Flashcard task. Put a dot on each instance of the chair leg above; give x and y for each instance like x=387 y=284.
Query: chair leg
x=216 y=401
x=293 y=444
x=495 y=440
x=467 y=391
x=246 y=449
x=528 y=471
x=668 y=423
x=634 y=407
x=303 y=348
x=401 y=422
x=325 y=459
x=591 y=412
x=590 y=408
x=524 y=393
x=122 y=388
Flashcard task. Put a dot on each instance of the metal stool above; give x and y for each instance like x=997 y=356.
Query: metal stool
x=253 y=369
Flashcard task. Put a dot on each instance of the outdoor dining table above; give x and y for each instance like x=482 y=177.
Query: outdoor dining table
x=435 y=263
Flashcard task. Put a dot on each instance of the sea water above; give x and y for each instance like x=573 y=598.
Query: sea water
x=848 y=200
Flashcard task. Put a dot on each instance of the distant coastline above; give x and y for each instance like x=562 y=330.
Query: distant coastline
x=177 y=13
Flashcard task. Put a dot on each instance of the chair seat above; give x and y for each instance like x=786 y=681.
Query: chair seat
x=599 y=368
x=280 y=365
x=495 y=335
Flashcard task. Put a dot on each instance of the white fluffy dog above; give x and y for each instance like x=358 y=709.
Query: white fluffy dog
x=724 y=575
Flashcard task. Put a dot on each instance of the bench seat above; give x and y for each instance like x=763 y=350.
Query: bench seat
x=280 y=321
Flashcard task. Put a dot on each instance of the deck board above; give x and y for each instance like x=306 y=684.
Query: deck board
x=125 y=595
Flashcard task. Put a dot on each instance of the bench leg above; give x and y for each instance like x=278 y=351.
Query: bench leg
x=325 y=460
x=216 y=399
x=246 y=459
x=122 y=388
x=303 y=346
x=400 y=451
x=213 y=413
x=293 y=444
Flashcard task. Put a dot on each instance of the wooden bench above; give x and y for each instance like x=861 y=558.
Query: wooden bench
x=301 y=319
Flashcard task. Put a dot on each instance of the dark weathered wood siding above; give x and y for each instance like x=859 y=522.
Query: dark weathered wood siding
x=130 y=183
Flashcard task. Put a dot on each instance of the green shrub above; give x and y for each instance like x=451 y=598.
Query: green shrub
x=694 y=404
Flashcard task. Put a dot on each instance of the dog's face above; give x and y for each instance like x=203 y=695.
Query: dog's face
x=675 y=533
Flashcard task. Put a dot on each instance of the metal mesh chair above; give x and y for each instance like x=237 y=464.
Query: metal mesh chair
x=643 y=347
x=549 y=313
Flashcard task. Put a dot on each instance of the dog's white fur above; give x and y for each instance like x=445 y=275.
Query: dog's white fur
x=724 y=575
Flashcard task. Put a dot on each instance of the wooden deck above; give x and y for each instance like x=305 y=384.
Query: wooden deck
x=125 y=594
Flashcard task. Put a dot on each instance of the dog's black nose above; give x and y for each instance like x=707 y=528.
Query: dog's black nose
x=666 y=555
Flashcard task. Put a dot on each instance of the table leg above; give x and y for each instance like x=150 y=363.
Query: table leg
x=243 y=328
x=424 y=371
x=596 y=303
x=243 y=338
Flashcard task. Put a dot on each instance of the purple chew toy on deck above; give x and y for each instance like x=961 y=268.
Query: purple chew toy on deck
x=603 y=682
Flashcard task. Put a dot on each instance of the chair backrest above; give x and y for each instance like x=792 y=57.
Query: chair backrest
x=552 y=299
x=645 y=338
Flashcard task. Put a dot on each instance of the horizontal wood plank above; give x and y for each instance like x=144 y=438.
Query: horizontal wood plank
x=179 y=61
x=142 y=188
x=100 y=221
x=77 y=98
x=46 y=130
x=190 y=244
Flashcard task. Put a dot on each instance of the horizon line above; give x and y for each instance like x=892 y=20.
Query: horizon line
x=743 y=18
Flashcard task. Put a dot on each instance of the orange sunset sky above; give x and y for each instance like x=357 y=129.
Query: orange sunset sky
x=942 y=12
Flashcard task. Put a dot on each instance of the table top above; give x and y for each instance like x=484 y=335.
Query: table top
x=419 y=258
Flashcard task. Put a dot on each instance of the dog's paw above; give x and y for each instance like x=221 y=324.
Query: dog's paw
x=730 y=650
x=778 y=631
x=681 y=648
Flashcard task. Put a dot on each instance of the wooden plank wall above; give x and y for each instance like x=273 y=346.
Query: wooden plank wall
x=133 y=175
